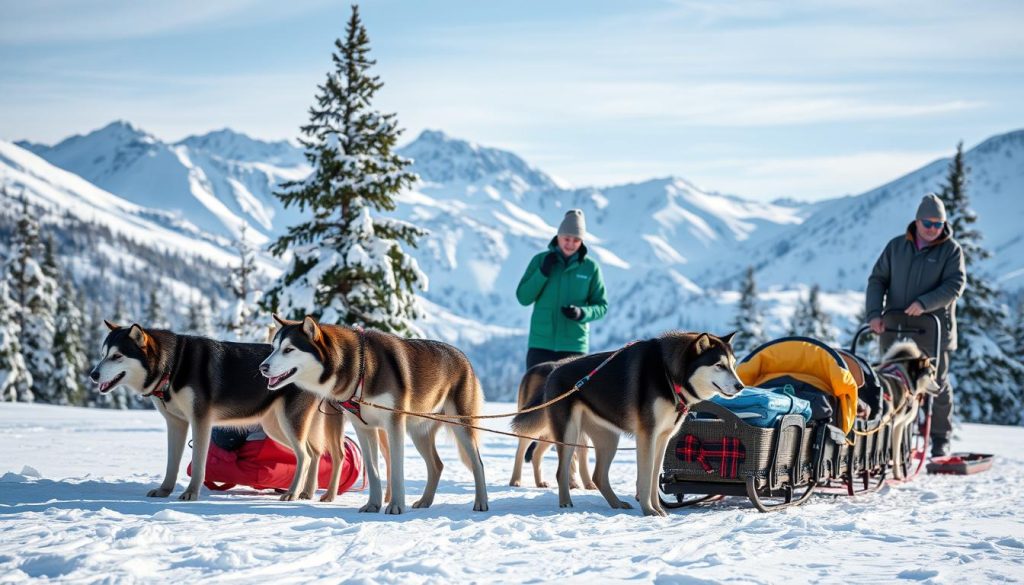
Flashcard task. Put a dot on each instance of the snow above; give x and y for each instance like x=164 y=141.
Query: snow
x=72 y=508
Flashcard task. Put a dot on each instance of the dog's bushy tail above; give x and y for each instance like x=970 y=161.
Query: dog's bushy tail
x=470 y=402
x=531 y=423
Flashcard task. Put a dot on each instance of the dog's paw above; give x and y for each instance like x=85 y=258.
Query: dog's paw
x=590 y=485
x=514 y=483
x=327 y=497
x=189 y=495
x=654 y=512
x=305 y=496
x=624 y=505
x=158 y=493
x=370 y=507
x=565 y=504
x=422 y=503
x=480 y=507
x=394 y=508
x=574 y=485
x=543 y=484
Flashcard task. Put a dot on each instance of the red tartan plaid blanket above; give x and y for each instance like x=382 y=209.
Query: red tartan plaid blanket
x=724 y=456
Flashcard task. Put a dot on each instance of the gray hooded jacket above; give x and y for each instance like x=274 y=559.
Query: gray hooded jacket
x=934 y=275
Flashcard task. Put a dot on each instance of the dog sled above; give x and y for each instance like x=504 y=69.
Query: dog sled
x=835 y=450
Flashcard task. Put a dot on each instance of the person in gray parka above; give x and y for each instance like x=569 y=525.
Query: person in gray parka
x=922 y=271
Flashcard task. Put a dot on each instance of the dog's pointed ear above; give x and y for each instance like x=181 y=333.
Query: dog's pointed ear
x=728 y=338
x=111 y=326
x=311 y=329
x=138 y=335
x=284 y=322
x=272 y=330
x=702 y=343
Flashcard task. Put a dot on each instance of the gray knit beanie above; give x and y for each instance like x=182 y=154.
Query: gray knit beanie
x=574 y=224
x=931 y=206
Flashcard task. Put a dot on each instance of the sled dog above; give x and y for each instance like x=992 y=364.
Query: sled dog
x=643 y=391
x=906 y=375
x=413 y=375
x=202 y=383
x=530 y=387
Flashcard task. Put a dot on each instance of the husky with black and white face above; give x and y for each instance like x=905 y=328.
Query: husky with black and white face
x=642 y=391
x=200 y=382
x=406 y=375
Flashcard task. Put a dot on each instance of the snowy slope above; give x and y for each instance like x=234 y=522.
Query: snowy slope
x=72 y=509
x=117 y=251
x=23 y=174
x=218 y=181
x=489 y=212
x=838 y=244
x=671 y=252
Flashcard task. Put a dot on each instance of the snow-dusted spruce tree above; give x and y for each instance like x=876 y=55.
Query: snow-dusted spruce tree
x=71 y=361
x=34 y=291
x=348 y=265
x=986 y=378
x=200 y=318
x=243 y=320
x=155 y=318
x=15 y=379
x=749 y=321
x=810 y=320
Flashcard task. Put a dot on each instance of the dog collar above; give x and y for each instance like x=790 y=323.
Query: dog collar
x=163 y=390
x=681 y=405
x=677 y=393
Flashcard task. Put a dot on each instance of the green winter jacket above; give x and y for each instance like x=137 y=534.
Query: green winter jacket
x=934 y=276
x=574 y=281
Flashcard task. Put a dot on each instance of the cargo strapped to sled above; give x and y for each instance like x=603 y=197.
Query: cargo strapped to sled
x=808 y=360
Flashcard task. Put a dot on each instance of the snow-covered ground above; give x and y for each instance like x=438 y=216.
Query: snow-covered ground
x=73 y=509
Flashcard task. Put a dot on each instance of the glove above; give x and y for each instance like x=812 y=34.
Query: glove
x=572 y=312
x=548 y=263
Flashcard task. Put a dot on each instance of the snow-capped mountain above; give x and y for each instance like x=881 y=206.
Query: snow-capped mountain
x=218 y=181
x=838 y=244
x=671 y=251
x=117 y=252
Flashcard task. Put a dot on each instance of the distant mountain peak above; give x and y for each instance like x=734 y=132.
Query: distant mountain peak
x=439 y=158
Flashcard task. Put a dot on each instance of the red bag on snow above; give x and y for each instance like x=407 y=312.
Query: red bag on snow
x=266 y=464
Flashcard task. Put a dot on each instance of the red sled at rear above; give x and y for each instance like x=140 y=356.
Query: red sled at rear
x=265 y=464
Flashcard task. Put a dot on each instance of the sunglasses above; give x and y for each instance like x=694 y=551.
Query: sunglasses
x=931 y=224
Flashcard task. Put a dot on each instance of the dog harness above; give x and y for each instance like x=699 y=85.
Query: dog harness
x=353 y=404
x=896 y=372
x=677 y=393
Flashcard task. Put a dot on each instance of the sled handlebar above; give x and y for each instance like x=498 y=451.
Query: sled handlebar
x=930 y=318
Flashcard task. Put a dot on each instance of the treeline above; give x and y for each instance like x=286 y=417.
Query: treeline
x=61 y=277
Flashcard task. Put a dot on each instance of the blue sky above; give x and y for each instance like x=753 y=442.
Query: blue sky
x=763 y=99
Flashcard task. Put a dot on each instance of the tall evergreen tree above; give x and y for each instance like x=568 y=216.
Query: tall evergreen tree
x=155 y=318
x=348 y=265
x=69 y=352
x=810 y=320
x=985 y=375
x=34 y=291
x=15 y=379
x=242 y=320
x=200 y=317
x=749 y=321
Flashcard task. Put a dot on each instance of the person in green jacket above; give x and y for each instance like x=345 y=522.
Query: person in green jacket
x=919 y=272
x=566 y=290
